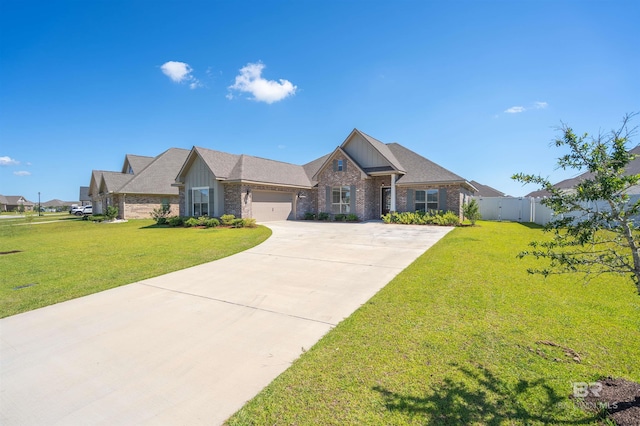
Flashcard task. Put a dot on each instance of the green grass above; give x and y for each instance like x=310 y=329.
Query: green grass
x=458 y=338
x=63 y=260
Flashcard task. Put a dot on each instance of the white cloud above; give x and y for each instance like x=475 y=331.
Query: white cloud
x=515 y=109
x=22 y=173
x=180 y=72
x=250 y=80
x=519 y=109
x=8 y=161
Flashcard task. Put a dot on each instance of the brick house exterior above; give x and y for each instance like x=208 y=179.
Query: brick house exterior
x=362 y=177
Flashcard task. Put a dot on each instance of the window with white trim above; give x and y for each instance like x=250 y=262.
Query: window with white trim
x=426 y=200
x=340 y=199
x=200 y=202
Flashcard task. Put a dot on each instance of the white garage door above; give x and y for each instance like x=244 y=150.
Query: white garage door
x=268 y=206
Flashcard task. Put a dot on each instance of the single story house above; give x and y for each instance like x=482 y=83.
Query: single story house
x=9 y=203
x=143 y=185
x=362 y=176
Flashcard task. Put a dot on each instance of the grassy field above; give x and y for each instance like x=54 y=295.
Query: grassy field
x=463 y=336
x=53 y=262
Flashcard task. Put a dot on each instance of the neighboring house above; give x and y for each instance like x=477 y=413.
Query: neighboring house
x=9 y=203
x=486 y=191
x=633 y=168
x=58 y=205
x=143 y=185
x=362 y=176
x=85 y=199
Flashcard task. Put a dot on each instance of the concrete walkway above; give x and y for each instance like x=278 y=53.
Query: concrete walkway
x=191 y=347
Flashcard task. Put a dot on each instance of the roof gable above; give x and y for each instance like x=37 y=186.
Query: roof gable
x=134 y=164
x=329 y=158
x=370 y=153
x=159 y=174
x=112 y=182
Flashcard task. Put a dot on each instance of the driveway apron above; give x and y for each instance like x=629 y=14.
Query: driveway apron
x=191 y=347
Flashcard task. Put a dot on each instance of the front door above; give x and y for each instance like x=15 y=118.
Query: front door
x=386 y=200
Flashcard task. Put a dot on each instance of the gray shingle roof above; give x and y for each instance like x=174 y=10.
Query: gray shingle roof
x=13 y=200
x=256 y=169
x=486 y=191
x=112 y=181
x=137 y=163
x=158 y=176
x=220 y=163
x=312 y=167
x=419 y=169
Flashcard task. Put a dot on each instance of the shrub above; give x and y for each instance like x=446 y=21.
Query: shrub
x=249 y=222
x=176 y=221
x=323 y=216
x=211 y=222
x=192 y=221
x=447 y=219
x=422 y=218
x=95 y=217
x=112 y=212
x=237 y=223
x=309 y=216
x=471 y=211
x=352 y=217
x=340 y=217
x=227 y=219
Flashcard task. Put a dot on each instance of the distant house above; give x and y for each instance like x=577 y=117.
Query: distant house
x=486 y=191
x=633 y=168
x=85 y=198
x=362 y=176
x=9 y=203
x=143 y=184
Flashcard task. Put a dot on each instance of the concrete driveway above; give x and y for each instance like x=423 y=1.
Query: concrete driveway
x=191 y=347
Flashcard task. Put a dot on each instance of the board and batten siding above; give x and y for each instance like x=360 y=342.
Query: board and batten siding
x=199 y=176
x=364 y=154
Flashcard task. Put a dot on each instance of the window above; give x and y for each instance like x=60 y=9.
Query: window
x=340 y=165
x=200 y=202
x=426 y=200
x=130 y=170
x=340 y=199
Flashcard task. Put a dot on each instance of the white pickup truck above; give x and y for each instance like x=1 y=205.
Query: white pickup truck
x=82 y=210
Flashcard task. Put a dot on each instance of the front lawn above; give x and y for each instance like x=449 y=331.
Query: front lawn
x=48 y=263
x=463 y=336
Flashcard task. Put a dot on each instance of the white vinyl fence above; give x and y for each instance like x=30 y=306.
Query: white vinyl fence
x=525 y=209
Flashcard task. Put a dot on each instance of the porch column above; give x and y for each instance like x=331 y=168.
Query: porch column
x=393 y=192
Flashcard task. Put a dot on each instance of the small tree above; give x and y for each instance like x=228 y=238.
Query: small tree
x=111 y=213
x=161 y=214
x=471 y=211
x=586 y=237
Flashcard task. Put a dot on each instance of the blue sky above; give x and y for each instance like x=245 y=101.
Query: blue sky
x=479 y=87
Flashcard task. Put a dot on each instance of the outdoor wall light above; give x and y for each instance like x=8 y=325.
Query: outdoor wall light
x=248 y=191
x=301 y=195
